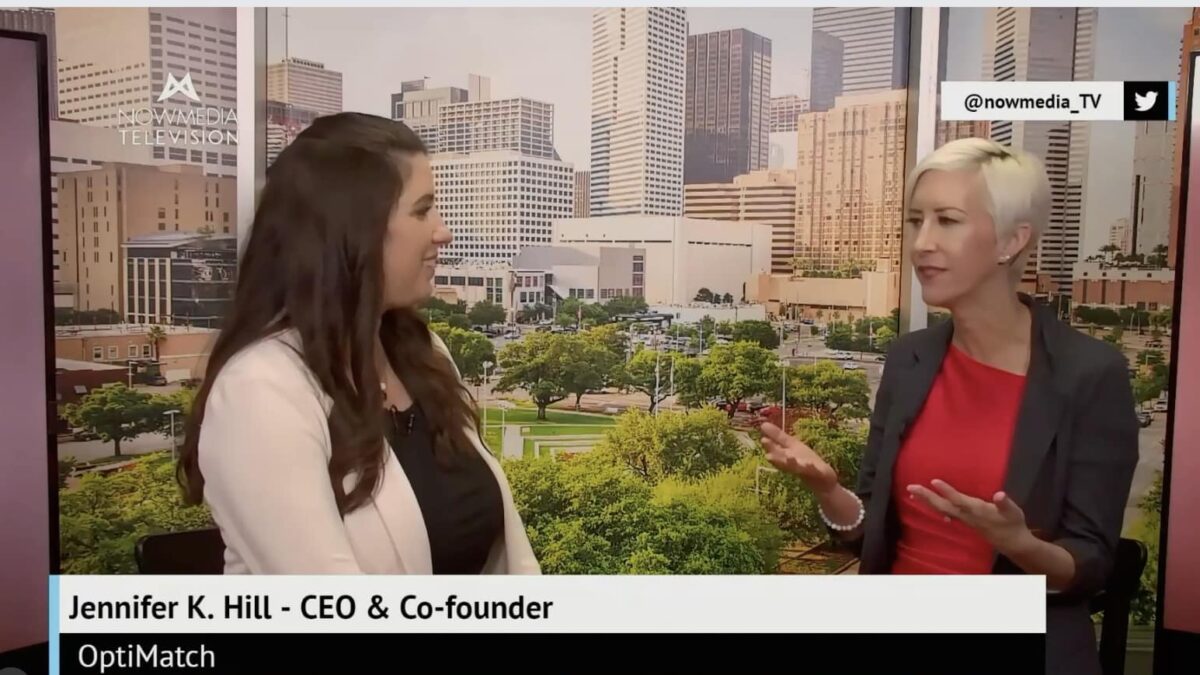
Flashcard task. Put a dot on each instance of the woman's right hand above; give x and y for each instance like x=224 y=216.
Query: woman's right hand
x=788 y=454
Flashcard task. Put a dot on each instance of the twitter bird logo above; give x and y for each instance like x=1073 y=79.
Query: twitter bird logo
x=1149 y=100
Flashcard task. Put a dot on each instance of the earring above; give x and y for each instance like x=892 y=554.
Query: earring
x=1004 y=259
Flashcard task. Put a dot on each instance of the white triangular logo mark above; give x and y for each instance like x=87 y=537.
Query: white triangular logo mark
x=174 y=86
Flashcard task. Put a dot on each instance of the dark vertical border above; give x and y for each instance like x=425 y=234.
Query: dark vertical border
x=35 y=657
x=914 y=39
x=48 y=298
x=47 y=282
x=1174 y=648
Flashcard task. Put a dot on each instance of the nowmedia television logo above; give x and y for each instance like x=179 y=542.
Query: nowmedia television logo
x=182 y=124
x=174 y=86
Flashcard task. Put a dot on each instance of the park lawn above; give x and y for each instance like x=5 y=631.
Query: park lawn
x=566 y=429
x=493 y=438
x=528 y=416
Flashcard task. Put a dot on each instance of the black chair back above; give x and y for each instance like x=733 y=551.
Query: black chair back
x=189 y=552
x=1115 y=601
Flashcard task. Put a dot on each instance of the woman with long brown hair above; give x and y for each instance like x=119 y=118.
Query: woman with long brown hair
x=332 y=433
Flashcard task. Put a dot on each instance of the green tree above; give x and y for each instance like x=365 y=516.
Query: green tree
x=459 y=321
x=469 y=350
x=688 y=445
x=156 y=335
x=486 y=313
x=731 y=491
x=734 y=372
x=1159 y=257
x=440 y=311
x=592 y=365
x=704 y=295
x=840 y=336
x=104 y=516
x=611 y=337
x=793 y=504
x=759 y=332
x=1144 y=605
x=1150 y=357
x=625 y=304
x=65 y=466
x=825 y=391
x=534 y=313
x=574 y=312
x=115 y=413
x=588 y=515
x=1115 y=336
x=687 y=381
x=883 y=338
x=540 y=364
x=725 y=328
x=727 y=298
x=180 y=400
x=640 y=374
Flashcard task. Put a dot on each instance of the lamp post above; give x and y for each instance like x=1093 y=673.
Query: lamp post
x=486 y=365
x=172 y=414
x=783 y=395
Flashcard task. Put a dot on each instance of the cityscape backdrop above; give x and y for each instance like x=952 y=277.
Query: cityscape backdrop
x=713 y=164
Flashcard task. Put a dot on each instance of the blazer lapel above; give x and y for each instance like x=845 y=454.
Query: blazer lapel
x=912 y=388
x=1037 y=420
x=392 y=530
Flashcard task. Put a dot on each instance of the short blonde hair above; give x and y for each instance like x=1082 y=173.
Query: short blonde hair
x=1018 y=190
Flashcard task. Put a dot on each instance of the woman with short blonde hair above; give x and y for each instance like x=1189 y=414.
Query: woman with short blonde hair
x=1002 y=441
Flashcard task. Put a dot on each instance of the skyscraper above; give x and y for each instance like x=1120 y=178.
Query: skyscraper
x=419 y=106
x=100 y=209
x=520 y=124
x=638 y=71
x=1046 y=44
x=850 y=183
x=828 y=54
x=727 y=109
x=1153 y=145
x=500 y=201
x=874 y=51
x=785 y=110
x=583 y=185
x=38 y=21
x=1190 y=42
x=115 y=64
x=305 y=84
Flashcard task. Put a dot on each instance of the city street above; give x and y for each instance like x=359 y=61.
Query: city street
x=85 y=451
x=1150 y=450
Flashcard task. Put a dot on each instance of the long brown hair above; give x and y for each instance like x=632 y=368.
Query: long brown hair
x=314 y=264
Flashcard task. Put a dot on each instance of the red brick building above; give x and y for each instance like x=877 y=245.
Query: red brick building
x=1095 y=285
x=75 y=379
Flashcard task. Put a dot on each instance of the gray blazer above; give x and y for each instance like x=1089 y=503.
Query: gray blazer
x=1073 y=456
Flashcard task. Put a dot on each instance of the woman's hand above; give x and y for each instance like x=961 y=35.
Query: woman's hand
x=1000 y=521
x=788 y=454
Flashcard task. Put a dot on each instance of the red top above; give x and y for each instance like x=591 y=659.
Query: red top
x=962 y=436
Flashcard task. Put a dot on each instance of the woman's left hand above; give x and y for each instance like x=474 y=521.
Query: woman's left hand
x=1000 y=521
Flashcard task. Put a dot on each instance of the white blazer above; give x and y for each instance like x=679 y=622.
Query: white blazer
x=264 y=450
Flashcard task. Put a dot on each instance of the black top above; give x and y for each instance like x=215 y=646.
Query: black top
x=460 y=503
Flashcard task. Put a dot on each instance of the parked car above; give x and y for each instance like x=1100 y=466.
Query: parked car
x=1161 y=406
x=1144 y=418
x=851 y=366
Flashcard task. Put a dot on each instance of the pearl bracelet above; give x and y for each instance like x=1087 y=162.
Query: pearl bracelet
x=862 y=512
